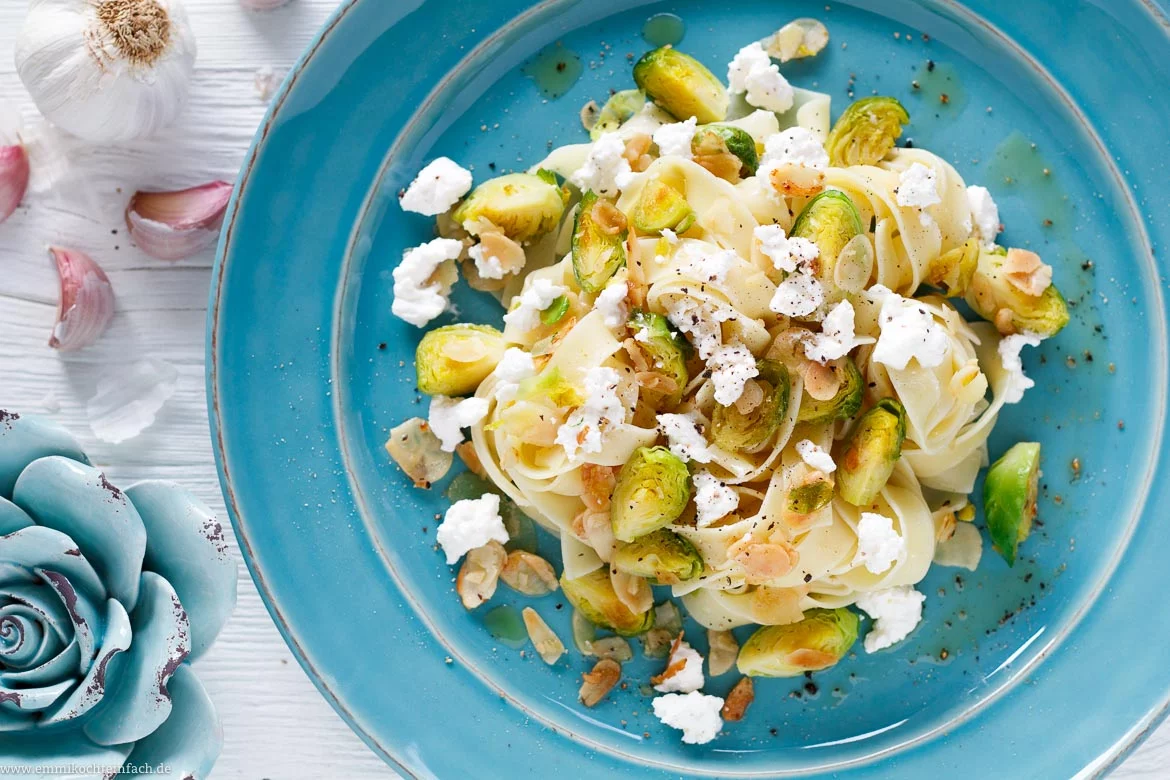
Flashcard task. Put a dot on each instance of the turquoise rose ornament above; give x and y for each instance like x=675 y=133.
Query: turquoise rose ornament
x=106 y=596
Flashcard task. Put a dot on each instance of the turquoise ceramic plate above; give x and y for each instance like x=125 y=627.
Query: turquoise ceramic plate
x=1047 y=670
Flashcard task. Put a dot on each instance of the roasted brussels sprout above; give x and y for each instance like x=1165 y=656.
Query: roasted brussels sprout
x=681 y=85
x=726 y=139
x=873 y=447
x=841 y=406
x=951 y=272
x=594 y=597
x=866 y=132
x=454 y=359
x=599 y=242
x=663 y=557
x=736 y=431
x=652 y=490
x=522 y=205
x=1012 y=310
x=809 y=491
x=818 y=641
x=556 y=310
x=620 y=107
x=661 y=206
x=667 y=349
x=830 y=220
x=1009 y=498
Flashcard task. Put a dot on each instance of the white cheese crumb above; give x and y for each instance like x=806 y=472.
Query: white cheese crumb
x=695 y=263
x=751 y=71
x=795 y=145
x=675 y=138
x=984 y=213
x=514 y=367
x=700 y=321
x=471 y=523
x=879 y=546
x=713 y=499
x=684 y=437
x=1009 y=356
x=582 y=432
x=611 y=302
x=895 y=611
x=815 y=456
x=415 y=300
x=670 y=236
x=787 y=254
x=696 y=714
x=798 y=296
x=908 y=331
x=837 y=337
x=448 y=416
x=437 y=187
x=606 y=170
x=688 y=678
x=537 y=296
x=918 y=187
x=731 y=367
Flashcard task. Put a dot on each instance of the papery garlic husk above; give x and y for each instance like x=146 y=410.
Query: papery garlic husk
x=262 y=5
x=14 y=172
x=107 y=70
x=174 y=225
x=86 y=303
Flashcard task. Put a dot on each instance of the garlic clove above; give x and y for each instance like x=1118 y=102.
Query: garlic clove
x=14 y=172
x=86 y=304
x=262 y=5
x=174 y=225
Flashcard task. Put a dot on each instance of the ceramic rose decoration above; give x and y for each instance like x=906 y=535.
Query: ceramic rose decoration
x=106 y=596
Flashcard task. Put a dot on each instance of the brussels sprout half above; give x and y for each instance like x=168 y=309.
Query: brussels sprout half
x=818 y=641
x=952 y=272
x=813 y=491
x=1009 y=498
x=667 y=349
x=652 y=490
x=873 y=447
x=843 y=405
x=599 y=242
x=661 y=206
x=523 y=205
x=594 y=597
x=997 y=300
x=830 y=220
x=663 y=557
x=620 y=107
x=681 y=85
x=736 y=431
x=454 y=359
x=723 y=139
x=866 y=131
x=556 y=310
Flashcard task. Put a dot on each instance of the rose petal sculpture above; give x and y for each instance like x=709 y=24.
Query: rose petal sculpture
x=106 y=595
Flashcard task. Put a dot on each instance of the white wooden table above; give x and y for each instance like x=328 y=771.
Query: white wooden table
x=276 y=724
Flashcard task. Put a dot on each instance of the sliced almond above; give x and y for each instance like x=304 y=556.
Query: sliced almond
x=723 y=652
x=599 y=682
x=529 y=574
x=612 y=647
x=467 y=454
x=548 y=645
x=738 y=699
x=479 y=574
x=796 y=179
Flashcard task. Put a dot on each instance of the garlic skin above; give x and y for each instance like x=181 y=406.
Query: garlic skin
x=86 y=303
x=14 y=173
x=262 y=5
x=107 y=70
x=174 y=225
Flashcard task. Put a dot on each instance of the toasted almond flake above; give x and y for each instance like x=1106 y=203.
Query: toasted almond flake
x=467 y=454
x=723 y=650
x=599 y=482
x=529 y=574
x=548 y=645
x=676 y=664
x=599 y=682
x=479 y=574
x=613 y=647
x=763 y=562
x=738 y=699
x=632 y=591
x=789 y=179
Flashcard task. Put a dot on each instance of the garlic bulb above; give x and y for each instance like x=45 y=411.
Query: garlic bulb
x=107 y=70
